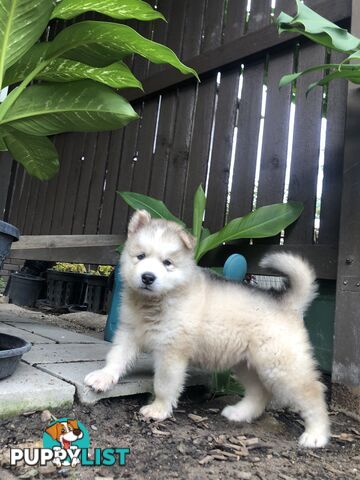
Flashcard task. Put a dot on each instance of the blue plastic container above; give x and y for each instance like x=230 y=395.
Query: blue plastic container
x=114 y=314
x=235 y=267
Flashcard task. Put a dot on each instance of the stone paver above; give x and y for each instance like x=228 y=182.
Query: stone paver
x=66 y=352
x=57 y=364
x=59 y=335
x=30 y=389
x=13 y=318
x=28 y=336
x=75 y=374
x=139 y=380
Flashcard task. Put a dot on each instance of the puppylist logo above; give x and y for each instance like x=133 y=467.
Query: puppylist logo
x=66 y=442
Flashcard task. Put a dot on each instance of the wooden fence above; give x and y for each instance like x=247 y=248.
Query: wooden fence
x=209 y=133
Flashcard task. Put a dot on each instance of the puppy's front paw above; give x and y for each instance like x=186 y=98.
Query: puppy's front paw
x=100 y=380
x=237 y=413
x=313 y=439
x=156 y=411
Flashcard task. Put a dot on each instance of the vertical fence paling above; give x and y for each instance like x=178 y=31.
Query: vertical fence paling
x=192 y=133
x=247 y=139
x=112 y=178
x=276 y=124
x=200 y=146
x=128 y=158
x=222 y=148
x=142 y=166
x=306 y=146
x=333 y=166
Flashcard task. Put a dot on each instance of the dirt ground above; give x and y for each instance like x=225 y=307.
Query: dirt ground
x=194 y=448
x=197 y=444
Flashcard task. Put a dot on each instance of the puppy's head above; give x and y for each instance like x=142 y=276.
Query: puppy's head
x=158 y=255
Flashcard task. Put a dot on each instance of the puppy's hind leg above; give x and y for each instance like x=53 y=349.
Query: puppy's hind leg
x=256 y=397
x=300 y=388
x=314 y=412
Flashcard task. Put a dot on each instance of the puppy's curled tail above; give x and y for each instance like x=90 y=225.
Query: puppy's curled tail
x=302 y=288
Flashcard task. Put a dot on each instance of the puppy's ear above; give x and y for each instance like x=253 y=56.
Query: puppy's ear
x=188 y=240
x=73 y=424
x=138 y=220
x=53 y=431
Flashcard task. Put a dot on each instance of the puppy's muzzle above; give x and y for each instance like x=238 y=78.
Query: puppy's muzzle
x=148 y=278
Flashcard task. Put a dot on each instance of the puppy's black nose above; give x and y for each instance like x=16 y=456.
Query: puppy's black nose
x=148 y=278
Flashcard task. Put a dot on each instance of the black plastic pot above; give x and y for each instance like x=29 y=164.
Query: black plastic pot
x=8 y=234
x=65 y=288
x=24 y=290
x=11 y=350
x=97 y=293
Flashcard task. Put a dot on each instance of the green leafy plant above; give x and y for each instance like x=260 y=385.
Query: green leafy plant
x=323 y=32
x=2 y=284
x=263 y=222
x=75 y=74
x=104 y=270
x=69 y=267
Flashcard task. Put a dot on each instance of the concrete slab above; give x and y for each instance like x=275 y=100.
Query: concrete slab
x=29 y=337
x=14 y=318
x=140 y=380
x=65 y=353
x=24 y=315
x=59 y=335
x=30 y=389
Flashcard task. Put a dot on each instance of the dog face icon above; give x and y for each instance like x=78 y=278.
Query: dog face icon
x=65 y=432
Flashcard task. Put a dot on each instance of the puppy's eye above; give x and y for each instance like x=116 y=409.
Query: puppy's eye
x=141 y=256
x=167 y=263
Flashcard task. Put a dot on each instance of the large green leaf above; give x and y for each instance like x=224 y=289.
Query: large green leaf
x=198 y=212
x=37 y=154
x=21 y=24
x=121 y=10
x=264 y=222
x=292 y=77
x=350 y=75
x=156 y=208
x=26 y=63
x=318 y=29
x=118 y=75
x=82 y=106
x=102 y=43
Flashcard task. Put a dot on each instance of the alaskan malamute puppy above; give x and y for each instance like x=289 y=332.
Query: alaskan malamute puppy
x=187 y=315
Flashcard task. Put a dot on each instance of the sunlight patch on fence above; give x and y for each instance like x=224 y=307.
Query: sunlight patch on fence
x=259 y=146
x=218 y=82
x=273 y=5
x=320 y=178
x=289 y=151
x=157 y=124
x=234 y=143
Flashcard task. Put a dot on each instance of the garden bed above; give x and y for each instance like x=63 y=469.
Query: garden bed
x=175 y=448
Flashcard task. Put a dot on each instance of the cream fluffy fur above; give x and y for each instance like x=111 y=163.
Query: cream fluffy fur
x=188 y=316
